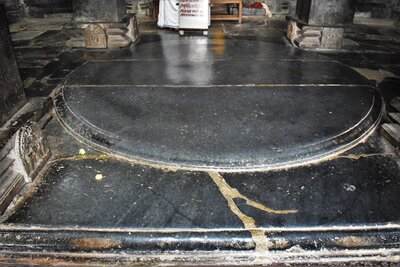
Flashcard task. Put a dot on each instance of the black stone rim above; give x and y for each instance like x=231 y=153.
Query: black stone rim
x=314 y=153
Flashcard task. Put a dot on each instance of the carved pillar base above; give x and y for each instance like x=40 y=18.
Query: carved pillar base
x=319 y=24
x=103 y=24
x=21 y=159
x=314 y=37
x=106 y=35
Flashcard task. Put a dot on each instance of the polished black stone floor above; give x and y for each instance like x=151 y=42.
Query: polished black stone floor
x=218 y=104
x=262 y=93
x=349 y=202
x=360 y=187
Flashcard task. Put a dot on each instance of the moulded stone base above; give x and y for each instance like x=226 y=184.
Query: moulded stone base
x=106 y=35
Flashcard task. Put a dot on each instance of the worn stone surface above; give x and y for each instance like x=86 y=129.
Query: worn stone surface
x=176 y=72
x=341 y=210
x=230 y=128
x=175 y=211
x=322 y=195
x=172 y=199
x=12 y=96
x=239 y=121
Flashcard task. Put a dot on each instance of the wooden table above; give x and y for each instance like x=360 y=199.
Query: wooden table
x=237 y=17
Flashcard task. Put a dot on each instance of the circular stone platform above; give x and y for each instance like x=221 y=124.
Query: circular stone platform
x=222 y=115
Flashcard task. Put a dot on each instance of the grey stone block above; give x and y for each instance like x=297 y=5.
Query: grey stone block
x=332 y=38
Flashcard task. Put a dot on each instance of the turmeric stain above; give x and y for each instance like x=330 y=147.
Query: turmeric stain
x=377 y=75
x=95 y=243
x=355 y=241
x=219 y=43
x=230 y=194
x=83 y=157
x=359 y=156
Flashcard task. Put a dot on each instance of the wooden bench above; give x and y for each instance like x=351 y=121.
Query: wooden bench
x=237 y=17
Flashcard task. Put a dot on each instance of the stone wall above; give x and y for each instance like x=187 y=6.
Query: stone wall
x=17 y=9
x=41 y=8
x=99 y=11
x=378 y=8
x=281 y=7
x=396 y=14
x=14 y=10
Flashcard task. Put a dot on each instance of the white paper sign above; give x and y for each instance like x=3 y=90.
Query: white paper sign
x=193 y=14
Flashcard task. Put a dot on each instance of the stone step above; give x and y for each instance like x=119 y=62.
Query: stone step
x=115 y=41
x=5 y=164
x=307 y=42
x=395 y=103
x=11 y=182
x=391 y=131
x=313 y=33
x=395 y=117
x=116 y=31
x=76 y=42
x=311 y=28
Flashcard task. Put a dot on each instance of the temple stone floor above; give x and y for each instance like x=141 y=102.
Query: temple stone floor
x=227 y=149
x=218 y=105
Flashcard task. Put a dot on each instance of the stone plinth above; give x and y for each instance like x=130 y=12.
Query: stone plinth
x=12 y=96
x=104 y=24
x=319 y=24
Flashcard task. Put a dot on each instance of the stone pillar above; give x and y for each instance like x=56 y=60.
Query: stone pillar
x=12 y=95
x=14 y=10
x=396 y=13
x=23 y=149
x=105 y=24
x=319 y=24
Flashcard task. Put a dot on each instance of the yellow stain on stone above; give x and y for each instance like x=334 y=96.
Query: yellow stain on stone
x=83 y=157
x=359 y=156
x=219 y=42
x=356 y=241
x=230 y=194
x=377 y=75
